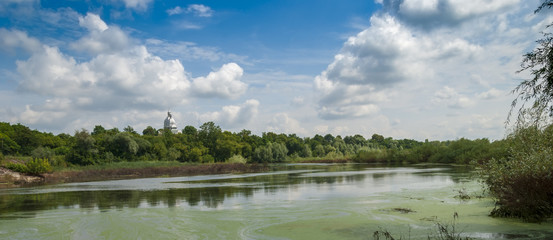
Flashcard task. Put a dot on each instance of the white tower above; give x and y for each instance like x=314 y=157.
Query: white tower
x=169 y=123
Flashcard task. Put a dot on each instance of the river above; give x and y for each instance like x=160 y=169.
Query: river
x=294 y=201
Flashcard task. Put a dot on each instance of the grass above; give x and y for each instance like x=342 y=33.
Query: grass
x=442 y=231
x=127 y=170
x=124 y=165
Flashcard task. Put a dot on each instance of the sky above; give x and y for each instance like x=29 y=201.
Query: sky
x=416 y=69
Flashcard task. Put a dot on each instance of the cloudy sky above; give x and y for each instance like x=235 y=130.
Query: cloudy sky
x=418 y=69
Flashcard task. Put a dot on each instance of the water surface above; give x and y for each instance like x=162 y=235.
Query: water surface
x=301 y=201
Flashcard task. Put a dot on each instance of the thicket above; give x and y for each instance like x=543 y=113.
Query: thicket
x=522 y=181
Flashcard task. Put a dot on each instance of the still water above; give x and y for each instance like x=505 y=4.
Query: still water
x=302 y=201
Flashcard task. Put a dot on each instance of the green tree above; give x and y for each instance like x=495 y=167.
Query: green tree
x=7 y=145
x=208 y=135
x=123 y=145
x=83 y=151
x=150 y=131
x=539 y=89
x=98 y=129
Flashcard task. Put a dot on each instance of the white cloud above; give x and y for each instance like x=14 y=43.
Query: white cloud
x=175 y=10
x=224 y=83
x=282 y=123
x=10 y=39
x=200 y=10
x=189 y=51
x=452 y=98
x=92 y=22
x=233 y=116
x=377 y=60
x=101 y=38
x=133 y=79
x=491 y=94
x=116 y=77
x=418 y=6
x=139 y=5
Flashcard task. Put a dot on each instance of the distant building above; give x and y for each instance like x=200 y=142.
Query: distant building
x=170 y=124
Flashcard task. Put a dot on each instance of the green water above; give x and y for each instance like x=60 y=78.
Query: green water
x=313 y=201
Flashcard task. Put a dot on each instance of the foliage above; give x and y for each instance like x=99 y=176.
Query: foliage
x=236 y=159
x=16 y=167
x=522 y=182
x=539 y=88
x=83 y=151
x=209 y=143
x=34 y=166
x=38 y=166
x=42 y=152
x=371 y=155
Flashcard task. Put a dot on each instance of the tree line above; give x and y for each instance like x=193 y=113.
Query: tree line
x=209 y=143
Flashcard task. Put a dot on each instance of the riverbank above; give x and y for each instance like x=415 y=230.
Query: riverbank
x=10 y=179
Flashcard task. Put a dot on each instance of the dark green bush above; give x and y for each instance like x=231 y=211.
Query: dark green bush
x=522 y=182
x=371 y=155
x=17 y=167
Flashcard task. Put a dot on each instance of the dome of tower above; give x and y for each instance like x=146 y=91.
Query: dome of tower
x=170 y=123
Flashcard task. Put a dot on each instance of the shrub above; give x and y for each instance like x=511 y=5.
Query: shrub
x=16 y=167
x=236 y=159
x=370 y=155
x=522 y=182
x=38 y=165
x=35 y=166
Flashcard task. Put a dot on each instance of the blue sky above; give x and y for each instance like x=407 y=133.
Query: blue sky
x=420 y=69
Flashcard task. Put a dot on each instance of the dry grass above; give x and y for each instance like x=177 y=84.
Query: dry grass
x=127 y=173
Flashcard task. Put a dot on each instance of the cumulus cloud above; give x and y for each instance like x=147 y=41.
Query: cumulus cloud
x=119 y=75
x=232 y=116
x=223 y=83
x=101 y=38
x=133 y=79
x=10 y=39
x=373 y=63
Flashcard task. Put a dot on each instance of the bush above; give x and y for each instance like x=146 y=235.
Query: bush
x=16 y=167
x=35 y=166
x=522 y=182
x=371 y=155
x=38 y=165
x=236 y=159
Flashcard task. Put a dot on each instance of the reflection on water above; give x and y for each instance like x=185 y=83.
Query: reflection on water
x=209 y=191
x=295 y=201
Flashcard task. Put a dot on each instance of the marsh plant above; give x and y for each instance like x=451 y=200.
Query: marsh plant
x=442 y=231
